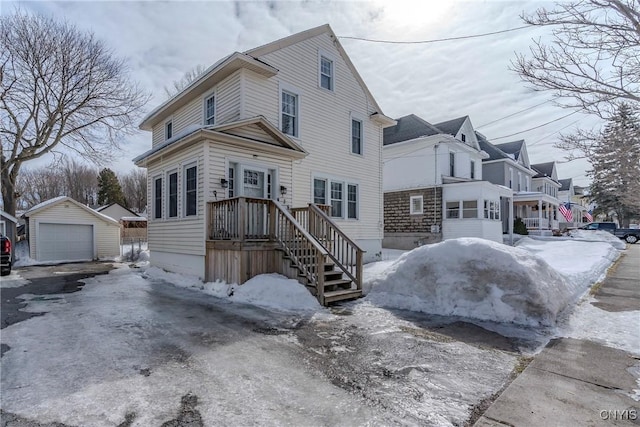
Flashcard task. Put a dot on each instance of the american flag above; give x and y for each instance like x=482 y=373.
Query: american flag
x=565 y=210
x=588 y=216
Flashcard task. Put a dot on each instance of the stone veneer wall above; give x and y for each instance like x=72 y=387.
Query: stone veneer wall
x=405 y=231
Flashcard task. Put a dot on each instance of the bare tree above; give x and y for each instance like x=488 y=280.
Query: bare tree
x=59 y=87
x=81 y=182
x=593 y=59
x=134 y=187
x=189 y=77
x=37 y=185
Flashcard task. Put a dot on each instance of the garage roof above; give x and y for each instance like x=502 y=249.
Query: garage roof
x=64 y=199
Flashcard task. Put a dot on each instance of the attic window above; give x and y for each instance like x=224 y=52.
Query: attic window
x=463 y=137
x=168 y=129
x=326 y=73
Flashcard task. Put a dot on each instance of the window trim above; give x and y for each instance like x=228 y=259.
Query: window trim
x=328 y=56
x=157 y=213
x=205 y=99
x=411 y=206
x=292 y=90
x=168 y=195
x=357 y=118
x=168 y=123
x=185 y=201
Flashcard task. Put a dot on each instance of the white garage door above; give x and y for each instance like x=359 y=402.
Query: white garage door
x=68 y=242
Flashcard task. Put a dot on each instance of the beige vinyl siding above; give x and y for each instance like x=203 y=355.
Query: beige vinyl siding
x=325 y=127
x=106 y=234
x=227 y=95
x=185 y=235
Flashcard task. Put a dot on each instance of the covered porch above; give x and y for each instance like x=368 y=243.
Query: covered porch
x=251 y=236
x=538 y=211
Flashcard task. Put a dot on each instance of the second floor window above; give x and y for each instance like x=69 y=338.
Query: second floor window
x=168 y=130
x=356 y=136
x=326 y=73
x=473 y=169
x=210 y=110
x=290 y=113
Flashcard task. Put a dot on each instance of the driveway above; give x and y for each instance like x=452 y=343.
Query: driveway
x=127 y=350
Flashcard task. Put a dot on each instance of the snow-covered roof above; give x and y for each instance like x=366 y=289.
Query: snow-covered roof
x=133 y=218
x=60 y=199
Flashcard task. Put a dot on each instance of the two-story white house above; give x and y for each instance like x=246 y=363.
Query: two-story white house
x=433 y=185
x=270 y=159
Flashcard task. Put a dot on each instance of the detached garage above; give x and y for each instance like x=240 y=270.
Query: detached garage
x=62 y=229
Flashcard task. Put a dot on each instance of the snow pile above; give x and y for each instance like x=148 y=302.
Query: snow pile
x=584 y=263
x=266 y=290
x=474 y=278
x=21 y=256
x=13 y=280
x=598 y=236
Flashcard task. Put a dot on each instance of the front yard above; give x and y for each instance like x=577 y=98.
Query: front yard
x=132 y=348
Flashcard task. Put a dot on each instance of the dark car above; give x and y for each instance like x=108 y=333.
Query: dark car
x=630 y=235
x=6 y=256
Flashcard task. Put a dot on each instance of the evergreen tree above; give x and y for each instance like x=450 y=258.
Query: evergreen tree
x=615 y=161
x=109 y=189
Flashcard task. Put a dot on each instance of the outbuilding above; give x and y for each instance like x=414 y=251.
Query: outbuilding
x=62 y=229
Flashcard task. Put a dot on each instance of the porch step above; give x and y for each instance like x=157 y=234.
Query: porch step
x=341 y=295
x=337 y=284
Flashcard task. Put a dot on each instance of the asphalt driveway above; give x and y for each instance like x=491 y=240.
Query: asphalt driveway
x=128 y=350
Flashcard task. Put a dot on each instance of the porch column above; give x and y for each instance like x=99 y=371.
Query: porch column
x=510 y=202
x=539 y=214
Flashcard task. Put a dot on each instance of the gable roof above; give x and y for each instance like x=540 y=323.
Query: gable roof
x=565 y=184
x=407 y=128
x=543 y=169
x=492 y=150
x=64 y=199
x=313 y=32
x=212 y=75
x=514 y=148
x=451 y=127
x=195 y=132
x=101 y=208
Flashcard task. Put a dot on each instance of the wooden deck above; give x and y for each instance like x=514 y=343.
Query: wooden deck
x=248 y=236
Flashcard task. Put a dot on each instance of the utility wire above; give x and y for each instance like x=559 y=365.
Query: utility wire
x=513 y=114
x=536 y=127
x=435 y=40
x=553 y=133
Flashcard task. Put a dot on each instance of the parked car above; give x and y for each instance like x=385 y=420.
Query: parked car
x=6 y=256
x=629 y=235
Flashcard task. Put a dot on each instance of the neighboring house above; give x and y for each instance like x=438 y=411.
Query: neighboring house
x=284 y=125
x=62 y=229
x=8 y=224
x=571 y=195
x=434 y=169
x=535 y=198
x=133 y=225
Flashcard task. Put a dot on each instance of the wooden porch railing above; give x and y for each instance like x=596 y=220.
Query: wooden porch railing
x=240 y=218
x=346 y=254
x=302 y=214
x=536 y=223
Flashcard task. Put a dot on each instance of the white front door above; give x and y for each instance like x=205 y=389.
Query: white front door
x=254 y=182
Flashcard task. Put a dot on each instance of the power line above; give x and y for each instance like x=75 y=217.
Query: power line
x=513 y=114
x=553 y=133
x=435 y=40
x=536 y=127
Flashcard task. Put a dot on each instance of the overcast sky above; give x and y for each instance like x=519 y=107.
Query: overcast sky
x=437 y=81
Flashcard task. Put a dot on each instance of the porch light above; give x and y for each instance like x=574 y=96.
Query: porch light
x=224 y=183
x=283 y=190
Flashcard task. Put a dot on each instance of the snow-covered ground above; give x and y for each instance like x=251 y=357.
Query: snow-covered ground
x=137 y=340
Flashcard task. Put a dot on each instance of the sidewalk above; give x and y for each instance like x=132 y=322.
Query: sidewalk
x=577 y=382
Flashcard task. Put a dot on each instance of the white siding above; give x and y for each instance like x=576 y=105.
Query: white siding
x=227 y=101
x=325 y=123
x=185 y=235
x=107 y=235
